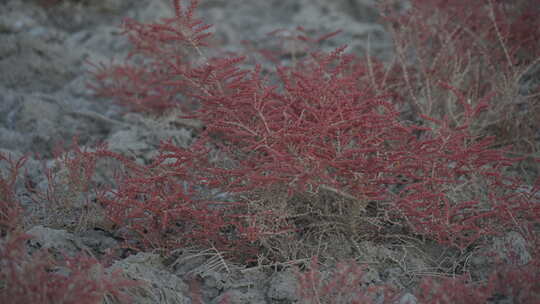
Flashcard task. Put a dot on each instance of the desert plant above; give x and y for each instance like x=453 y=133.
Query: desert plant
x=323 y=126
x=516 y=284
x=39 y=278
x=484 y=49
x=344 y=284
x=170 y=204
x=10 y=209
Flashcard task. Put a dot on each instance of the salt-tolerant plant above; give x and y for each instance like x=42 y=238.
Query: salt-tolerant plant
x=364 y=139
x=39 y=278
x=165 y=206
x=72 y=185
x=486 y=49
x=345 y=284
x=10 y=209
x=322 y=127
x=168 y=72
x=515 y=284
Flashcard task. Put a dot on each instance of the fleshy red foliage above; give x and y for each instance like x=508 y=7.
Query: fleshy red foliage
x=512 y=279
x=345 y=284
x=445 y=38
x=487 y=49
x=320 y=124
x=323 y=127
x=516 y=284
x=484 y=28
x=451 y=290
x=164 y=206
x=40 y=279
x=448 y=158
x=72 y=174
x=498 y=31
x=168 y=73
x=10 y=209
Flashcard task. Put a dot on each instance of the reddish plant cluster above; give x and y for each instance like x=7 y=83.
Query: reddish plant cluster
x=330 y=122
x=321 y=124
x=458 y=192
x=487 y=49
x=39 y=278
x=10 y=210
x=334 y=122
x=508 y=283
x=344 y=285
x=168 y=72
x=515 y=284
x=162 y=205
x=500 y=32
x=464 y=64
x=156 y=206
x=71 y=175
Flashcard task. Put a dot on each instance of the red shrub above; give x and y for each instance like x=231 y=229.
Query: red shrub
x=170 y=204
x=320 y=125
x=447 y=290
x=485 y=49
x=516 y=284
x=10 y=209
x=71 y=175
x=167 y=72
x=39 y=279
x=343 y=285
x=456 y=188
